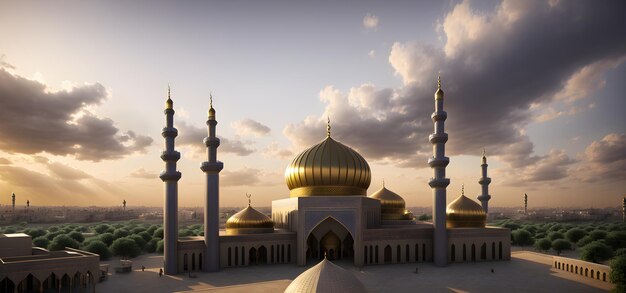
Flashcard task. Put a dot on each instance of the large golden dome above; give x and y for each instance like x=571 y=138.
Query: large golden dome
x=392 y=205
x=465 y=213
x=326 y=169
x=248 y=221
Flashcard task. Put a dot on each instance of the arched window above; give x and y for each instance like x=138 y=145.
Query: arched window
x=185 y=262
x=372 y=255
x=586 y=272
x=604 y=277
x=598 y=275
x=288 y=253
x=398 y=253
x=243 y=256
x=272 y=254
x=407 y=257
x=376 y=254
x=417 y=252
x=236 y=256
x=473 y=252
x=493 y=250
x=193 y=261
x=483 y=252
x=200 y=261
x=576 y=270
x=452 y=253
x=424 y=251
x=387 y=254
x=282 y=253
x=592 y=271
x=500 y=250
x=464 y=253
x=229 y=257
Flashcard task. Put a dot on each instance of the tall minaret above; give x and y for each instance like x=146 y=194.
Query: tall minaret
x=624 y=210
x=170 y=176
x=13 y=200
x=211 y=169
x=525 y=204
x=484 y=182
x=439 y=182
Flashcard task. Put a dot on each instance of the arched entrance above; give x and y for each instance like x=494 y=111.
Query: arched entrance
x=262 y=255
x=335 y=241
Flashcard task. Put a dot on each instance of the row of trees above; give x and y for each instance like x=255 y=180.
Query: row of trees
x=125 y=239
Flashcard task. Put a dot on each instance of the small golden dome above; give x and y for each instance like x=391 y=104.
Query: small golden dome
x=465 y=213
x=248 y=221
x=326 y=169
x=392 y=205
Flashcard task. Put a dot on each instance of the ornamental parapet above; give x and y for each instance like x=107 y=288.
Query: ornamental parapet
x=438 y=138
x=212 y=167
x=170 y=176
x=170 y=156
x=484 y=180
x=438 y=162
x=484 y=197
x=439 y=116
x=211 y=141
x=439 y=182
x=169 y=132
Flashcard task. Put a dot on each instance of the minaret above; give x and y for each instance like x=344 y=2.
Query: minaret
x=27 y=203
x=484 y=182
x=525 y=204
x=439 y=182
x=124 y=204
x=170 y=176
x=211 y=169
x=13 y=200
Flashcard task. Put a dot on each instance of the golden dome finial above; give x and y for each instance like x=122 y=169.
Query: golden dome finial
x=210 y=100
x=211 y=110
x=248 y=195
x=439 y=92
x=484 y=157
x=169 y=104
x=328 y=127
x=438 y=81
x=462 y=189
x=383 y=182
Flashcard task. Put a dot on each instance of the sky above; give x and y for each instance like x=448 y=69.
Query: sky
x=538 y=84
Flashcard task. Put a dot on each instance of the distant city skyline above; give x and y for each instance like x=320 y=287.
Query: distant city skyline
x=538 y=84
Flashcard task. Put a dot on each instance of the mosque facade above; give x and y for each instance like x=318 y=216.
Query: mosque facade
x=329 y=214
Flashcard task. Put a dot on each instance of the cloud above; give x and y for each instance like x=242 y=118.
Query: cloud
x=34 y=119
x=604 y=160
x=498 y=68
x=144 y=174
x=193 y=136
x=275 y=151
x=250 y=127
x=372 y=54
x=370 y=21
x=5 y=161
x=65 y=172
x=553 y=166
x=4 y=64
x=242 y=177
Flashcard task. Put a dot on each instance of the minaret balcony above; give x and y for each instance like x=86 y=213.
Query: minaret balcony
x=484 y=180
x=438 y=138
x=434 y=162
x=170 y=176
x=439 y=182
x=212 y=167
x=211 y=141
x=170 y=156
x=169 y=132
x=439 y=116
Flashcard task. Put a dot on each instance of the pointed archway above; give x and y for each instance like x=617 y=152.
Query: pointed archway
x=330 y=237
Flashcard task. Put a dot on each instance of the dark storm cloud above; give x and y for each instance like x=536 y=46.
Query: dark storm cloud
x=193 y=136
x=496 y=67
x=35 y=120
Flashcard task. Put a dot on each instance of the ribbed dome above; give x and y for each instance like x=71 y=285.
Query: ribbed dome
x=464 y=213
x=392 y=205
x=249 y=221
x=328 y=168
x=326 y=277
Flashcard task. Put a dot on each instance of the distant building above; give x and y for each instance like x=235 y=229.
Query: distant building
x=24 y=268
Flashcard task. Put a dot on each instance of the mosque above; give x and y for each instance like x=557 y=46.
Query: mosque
x=329 y=214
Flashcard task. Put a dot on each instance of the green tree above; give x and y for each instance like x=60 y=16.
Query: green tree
x=617 y=275
x=99 y=247
x=152 y=228
x=120 y=233
x=424 y=217
x=561 y=244
x=41 y=241
x=522 y=237
x=616 y=239
x=61 y=241
x=573 y=235
x=543 y=244
x=34 y=233
x=137 y=230
x=77 y=236
x=125 y=247
x=185 y=232
x=53 y=229
x=145 y=235
x=151 y=246
x=107 y=238
x=158 y=233
x=584 y=241
x=139 y=240
x=596 y=251
x=160 y=246
x=597 y=234
x=555 y=235
x=102 y=228
x=620 y=252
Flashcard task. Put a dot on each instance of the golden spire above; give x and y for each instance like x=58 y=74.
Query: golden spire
x=211 y=110
x=438 y=81
x=462 y=189
x=383 y=182
x=169 y=104
x=484 y=157
x=439 y=92
x=328 y=127
x=248 y=195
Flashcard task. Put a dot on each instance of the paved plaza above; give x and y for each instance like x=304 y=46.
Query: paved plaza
x=526 y=272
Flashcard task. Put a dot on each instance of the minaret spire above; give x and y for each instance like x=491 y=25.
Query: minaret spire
x=170 y=177
x=624 y=210
x=328 y=127
x=248 y=195
x=439 y=182
x=484 y=181
x=211 y=168
x=525 y=204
